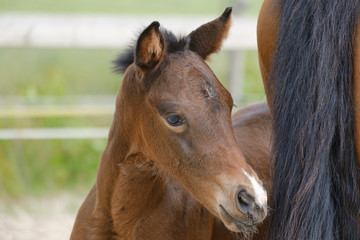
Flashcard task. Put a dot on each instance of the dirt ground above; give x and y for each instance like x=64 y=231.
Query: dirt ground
x=48 y=218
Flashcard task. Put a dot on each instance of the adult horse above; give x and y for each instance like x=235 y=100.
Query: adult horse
x=172 y=135
x=310 y=62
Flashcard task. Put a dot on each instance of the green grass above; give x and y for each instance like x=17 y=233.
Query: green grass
x=253 y=85
x=53 y=122
x=35 y=72
x=38 y=167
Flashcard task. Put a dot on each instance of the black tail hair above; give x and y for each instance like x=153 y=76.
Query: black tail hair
x=316 y=173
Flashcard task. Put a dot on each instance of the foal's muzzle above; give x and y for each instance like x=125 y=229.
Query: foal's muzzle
x=246 y=204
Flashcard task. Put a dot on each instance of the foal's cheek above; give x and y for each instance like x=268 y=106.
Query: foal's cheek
x=186 y=147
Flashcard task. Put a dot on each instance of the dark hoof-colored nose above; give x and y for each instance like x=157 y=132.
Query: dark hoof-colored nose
x=246 y=204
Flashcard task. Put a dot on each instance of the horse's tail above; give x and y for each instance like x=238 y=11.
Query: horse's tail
x=316 y=174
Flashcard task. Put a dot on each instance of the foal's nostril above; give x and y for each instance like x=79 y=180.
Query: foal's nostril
x=245 y=202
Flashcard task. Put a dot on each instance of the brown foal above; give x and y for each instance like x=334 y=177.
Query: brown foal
x=172 y=167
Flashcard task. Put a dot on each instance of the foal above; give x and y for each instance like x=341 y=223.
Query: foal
x=172 y=135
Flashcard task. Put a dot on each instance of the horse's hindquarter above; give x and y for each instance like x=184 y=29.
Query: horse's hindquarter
x=267 y=29
x=356 y=90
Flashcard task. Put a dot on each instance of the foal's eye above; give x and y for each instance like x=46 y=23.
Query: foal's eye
x=174 y=119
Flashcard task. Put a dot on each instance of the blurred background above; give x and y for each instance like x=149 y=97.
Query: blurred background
x=57 y=93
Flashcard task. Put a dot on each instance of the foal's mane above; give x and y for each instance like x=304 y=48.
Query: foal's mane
x=173 y=44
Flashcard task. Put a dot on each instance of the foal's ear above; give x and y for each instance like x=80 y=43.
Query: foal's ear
x=208 y=38
x=150 y=47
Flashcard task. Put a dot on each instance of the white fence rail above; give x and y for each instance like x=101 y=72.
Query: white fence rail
x=104 y=31
x=56 y=111
x=53 y=133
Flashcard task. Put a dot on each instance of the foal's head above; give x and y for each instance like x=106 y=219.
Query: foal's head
x=179 y=115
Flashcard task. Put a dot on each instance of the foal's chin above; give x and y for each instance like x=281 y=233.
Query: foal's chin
x=236 y=224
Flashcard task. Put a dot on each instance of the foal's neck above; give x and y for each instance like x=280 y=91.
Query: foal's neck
x=139 y=188
x=148 y=204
